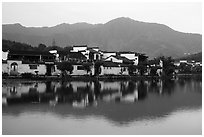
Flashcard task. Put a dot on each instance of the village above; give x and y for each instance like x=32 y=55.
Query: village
x=83 y=60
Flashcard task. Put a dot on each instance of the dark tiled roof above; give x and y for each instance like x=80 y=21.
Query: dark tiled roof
x=63 y=52
x=151 y=62
x=113 y=64
x=124 y=59
x=93 y=51
x=78 y=63
x=79 y=45
x=92 y=47
x=108 y=51
x=126 y=52
x=82 y=51
x=110 y=64
x=76 y=55
x=4 y=61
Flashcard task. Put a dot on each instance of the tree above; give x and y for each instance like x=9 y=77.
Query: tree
x=131 y=69
x=197 y=69
x=168 y=66
x=87 y=67
x=97 y=67
x=142 y=67
x=41 y=47
x=185 y=68
x=64 y=67
x=153 y=71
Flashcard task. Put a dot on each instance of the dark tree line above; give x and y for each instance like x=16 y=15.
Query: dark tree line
x=12 y=45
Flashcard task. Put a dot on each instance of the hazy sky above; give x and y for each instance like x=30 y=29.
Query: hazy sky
x=184 y=17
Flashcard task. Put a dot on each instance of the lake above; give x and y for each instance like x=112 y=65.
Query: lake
x=102 y=107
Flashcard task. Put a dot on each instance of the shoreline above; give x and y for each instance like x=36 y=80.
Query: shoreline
x=98 y=78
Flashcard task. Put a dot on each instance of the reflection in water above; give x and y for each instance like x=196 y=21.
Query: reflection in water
x=120 y=102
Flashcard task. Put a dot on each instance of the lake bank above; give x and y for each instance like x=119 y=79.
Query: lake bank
x=96 y=78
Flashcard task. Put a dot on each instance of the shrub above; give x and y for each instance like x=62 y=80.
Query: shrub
x=27 y=75
x=5 y=74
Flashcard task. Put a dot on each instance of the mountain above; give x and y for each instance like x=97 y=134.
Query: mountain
x=195 y=57
x=121 y=34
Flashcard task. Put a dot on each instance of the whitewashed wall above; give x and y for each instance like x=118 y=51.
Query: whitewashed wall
x=130 y=56
x=4 y=55
x=113 y=71
x=41 y=68
x=81 y=72
x=25 y=68
x=5 y=68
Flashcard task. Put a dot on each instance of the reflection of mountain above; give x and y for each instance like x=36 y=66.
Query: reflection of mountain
x=159 y=98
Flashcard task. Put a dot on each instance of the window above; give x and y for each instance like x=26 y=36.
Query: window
x=33 y=66
x=14 y=66
x=80 y=68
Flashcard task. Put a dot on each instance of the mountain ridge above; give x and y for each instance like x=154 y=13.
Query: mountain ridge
x=120 y=34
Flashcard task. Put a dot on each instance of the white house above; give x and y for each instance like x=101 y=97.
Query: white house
x=94 y=54
x=17 y=67
x=183 y=61
x=106 y=54
x=78 y=69
x=55 y=53
x=94 y=48
x=111 y=68
x=78 y=48
x=5 y=55
x=119 y=59
x=85 y=53
x=131 y=56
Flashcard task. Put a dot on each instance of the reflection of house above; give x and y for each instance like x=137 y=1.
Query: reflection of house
x=112 y=68
x=17 y=89
x=110 y=86
x=79 y=85
x=35 y=62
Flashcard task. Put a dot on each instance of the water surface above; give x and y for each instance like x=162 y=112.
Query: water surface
x=102 y=107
